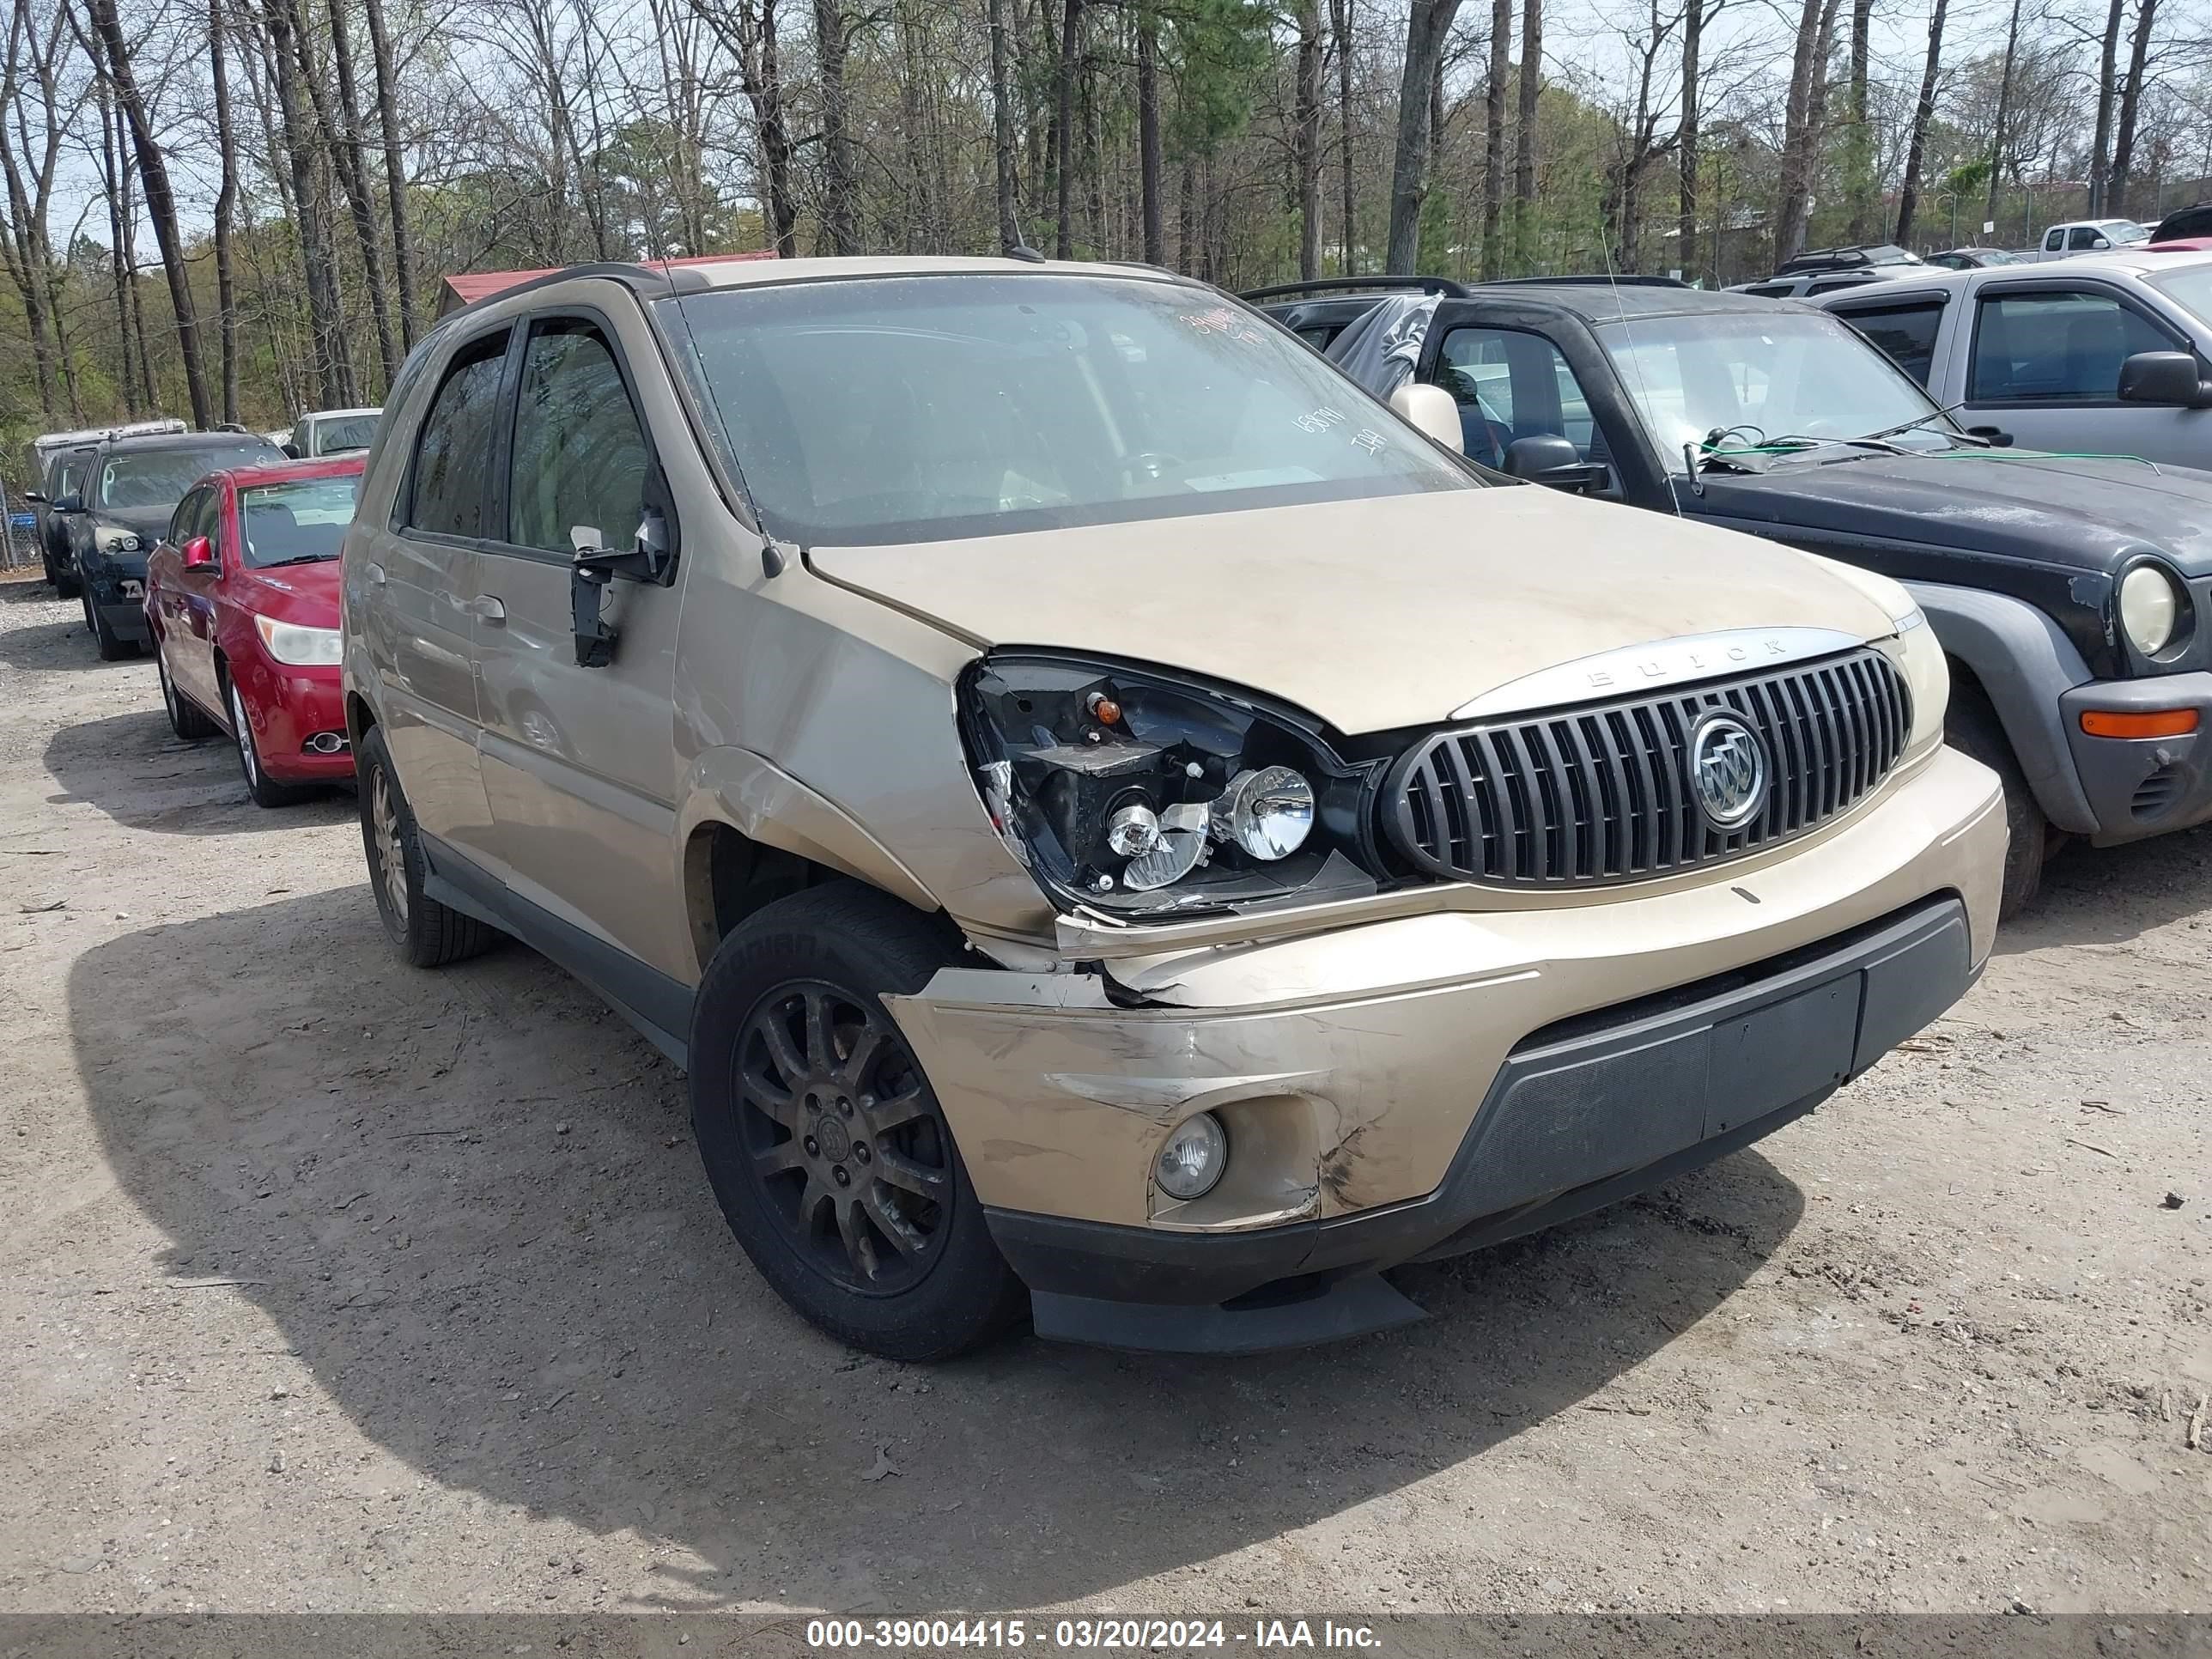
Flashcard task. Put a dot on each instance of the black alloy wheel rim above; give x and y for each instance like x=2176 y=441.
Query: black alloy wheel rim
x=840 y=1139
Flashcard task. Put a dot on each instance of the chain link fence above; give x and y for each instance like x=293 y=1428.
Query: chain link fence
x=19 y=531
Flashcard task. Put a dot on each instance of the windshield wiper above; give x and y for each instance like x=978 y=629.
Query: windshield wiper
x=1919 y=421
x=297 y=558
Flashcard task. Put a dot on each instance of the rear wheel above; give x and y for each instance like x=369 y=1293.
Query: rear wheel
x=1972 y=727
x=427 y=933
x=264 y=789
x=827 y=1148
x=187 y=719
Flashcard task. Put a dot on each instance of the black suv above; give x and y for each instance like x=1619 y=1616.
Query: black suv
x=120 y=507
x=2073 y=596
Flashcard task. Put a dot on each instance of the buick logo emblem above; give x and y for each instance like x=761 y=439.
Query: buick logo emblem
x=1727 y=770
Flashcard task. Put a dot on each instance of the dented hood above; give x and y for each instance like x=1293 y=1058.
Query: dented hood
x=1370 y=614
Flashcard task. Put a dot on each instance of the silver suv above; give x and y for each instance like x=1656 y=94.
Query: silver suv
x=1115 y=822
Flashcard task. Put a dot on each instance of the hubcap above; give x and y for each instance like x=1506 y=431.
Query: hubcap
x=384 y=820
x=836 y=1123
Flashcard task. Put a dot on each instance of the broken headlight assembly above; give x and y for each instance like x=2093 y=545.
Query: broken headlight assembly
x=1139 y=793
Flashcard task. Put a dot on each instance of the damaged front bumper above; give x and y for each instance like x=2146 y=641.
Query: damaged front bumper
x=1433 y=1083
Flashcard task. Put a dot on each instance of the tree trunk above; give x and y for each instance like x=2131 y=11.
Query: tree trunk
x=317 y=262
x=921 y=214
x=161 y=203
x=1801 y=142
x=395 y=173
x=1686 y=142
x=353 y=170
x=2100 y=148
x=840 y=187
x=1305 y=138
x=1063 y=144
x=1427 y=25
x=1002 y=127
x=747 y=31
x=111 y=164
x=1339 y=18
x=1858 y=167
x=226 y=205
x=1493 y=137
x=2123 y=147
x=1151 y=209
x=1923 y=113
x=2004 y=114
x=1524 y=146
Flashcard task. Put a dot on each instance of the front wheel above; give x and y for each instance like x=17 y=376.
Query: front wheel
x=264 y=789
x=827 y=1148
x=111 y=646
x=1972 y=727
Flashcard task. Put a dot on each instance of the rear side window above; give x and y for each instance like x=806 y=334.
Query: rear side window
x=1905 y=334
x=1772 y=290
x=2063 y=346
x=580 y=450
x=454 y=449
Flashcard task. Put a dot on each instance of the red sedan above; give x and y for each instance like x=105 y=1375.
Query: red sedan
x=242 y=605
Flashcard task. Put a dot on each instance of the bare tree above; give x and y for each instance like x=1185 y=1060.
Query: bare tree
x=333 y=363
x=395 y=170
x=1339 y=23
x=1493 y=137
x=1858 y=156
x=1999 y=134
x=35 y=120
x=747 y=30
x=1808 y=83
x=1002 y=129
x=1524 y=151
x=1305 y=138
x=1428 y=24
x=1923 y=113
x=226 y=208
x=2123 y=146
x=1686 y=138
x=1064 y=75
x=839 y=226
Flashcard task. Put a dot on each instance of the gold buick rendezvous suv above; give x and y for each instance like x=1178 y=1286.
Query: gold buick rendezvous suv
x=1114 y=821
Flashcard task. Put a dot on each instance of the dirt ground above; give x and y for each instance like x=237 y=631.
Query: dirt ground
x=327 y=1284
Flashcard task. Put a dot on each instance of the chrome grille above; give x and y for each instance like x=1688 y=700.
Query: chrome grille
x=1602 y=794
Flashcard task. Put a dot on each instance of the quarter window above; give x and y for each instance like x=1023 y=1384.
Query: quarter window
x=2043 y=347
x=579 y=452
x=1905 y=334
x=456 y=442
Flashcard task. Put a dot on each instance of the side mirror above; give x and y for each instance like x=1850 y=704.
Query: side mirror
x=593 y=566
x=2168 y=378
x=199 y=554
x=70 y=504
x=2100 y=242
x=1996 y=437
x=293 y=451
x=1430 y=411
x=37 y=497
x=1549 y=458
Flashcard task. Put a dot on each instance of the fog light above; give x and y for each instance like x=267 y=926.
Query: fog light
x=1194 y=1159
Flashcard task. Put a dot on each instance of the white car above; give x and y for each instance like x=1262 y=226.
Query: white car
x=333 y=432
x=2088 y=236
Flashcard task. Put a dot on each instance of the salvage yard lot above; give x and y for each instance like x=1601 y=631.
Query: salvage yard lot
x=331 y=1285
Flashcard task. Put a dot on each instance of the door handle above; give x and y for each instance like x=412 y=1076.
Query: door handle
x=487 y=607
x=376 y=576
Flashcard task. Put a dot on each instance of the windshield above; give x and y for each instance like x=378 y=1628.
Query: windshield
x=2191 y=288
x=158 y=477
x=287 y=523
x=923 y=408
x=2123 y=230
x=343 y=432
x=1743 y=380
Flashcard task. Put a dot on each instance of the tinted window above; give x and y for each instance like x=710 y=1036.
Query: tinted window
x=1772 y=290
x=184 y=522
x=1512 y=383
x=1830 y=284
x=453 y=451
x=292 y=523
x=158 y=477
x=925 y=407
x=2029 y=346
x=1905 y=333
x=2054 y=241
x=342 y=433
x=579 y=453
x=2082 y=236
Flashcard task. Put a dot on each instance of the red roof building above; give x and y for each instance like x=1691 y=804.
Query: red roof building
x=454 y=292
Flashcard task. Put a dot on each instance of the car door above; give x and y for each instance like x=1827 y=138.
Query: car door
x=420 y=577
x=2043 y=364
x=189 y=597
x=579 y=763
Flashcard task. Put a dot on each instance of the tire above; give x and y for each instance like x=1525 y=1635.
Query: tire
x=111 y=647
x=186 y=718
x=264 y=790
x=832 y=1163
x=1972 y=727
x=67 y=583
x=426 y=933
x=54 y=577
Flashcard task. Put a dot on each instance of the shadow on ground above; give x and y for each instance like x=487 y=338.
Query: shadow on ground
x=470 y=1201
x=138 y=772
x=2105 y=895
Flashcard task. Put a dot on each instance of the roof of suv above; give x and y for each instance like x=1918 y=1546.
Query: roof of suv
x=1600 y=302
x=179 y=440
